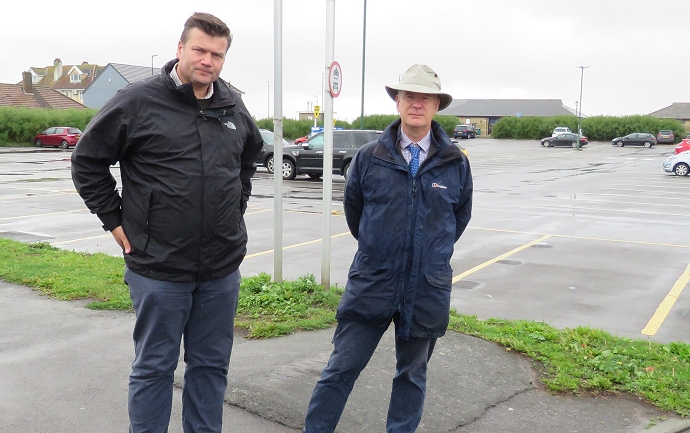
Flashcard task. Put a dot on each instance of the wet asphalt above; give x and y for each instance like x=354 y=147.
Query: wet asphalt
x=64 y=367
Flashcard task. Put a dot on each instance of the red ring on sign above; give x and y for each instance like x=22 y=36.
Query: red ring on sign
x=335 y=79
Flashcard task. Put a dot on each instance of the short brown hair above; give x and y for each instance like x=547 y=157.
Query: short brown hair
x=207 y=23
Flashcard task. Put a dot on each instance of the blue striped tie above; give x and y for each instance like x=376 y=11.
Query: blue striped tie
x=414 y=161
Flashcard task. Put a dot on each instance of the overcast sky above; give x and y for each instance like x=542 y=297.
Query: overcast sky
x=636 y=50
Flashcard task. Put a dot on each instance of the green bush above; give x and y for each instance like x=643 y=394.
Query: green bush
x=374 y=121
x=448 y=123
x=596 y=128
x=20 y=125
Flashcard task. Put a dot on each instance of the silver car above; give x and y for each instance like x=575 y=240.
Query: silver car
x=678 y=164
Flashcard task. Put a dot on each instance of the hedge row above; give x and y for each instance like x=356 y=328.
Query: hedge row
x=20 y=125
x=596 y=128
x=299 y=128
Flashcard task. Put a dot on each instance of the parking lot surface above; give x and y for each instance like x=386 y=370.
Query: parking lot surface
x=598 y=237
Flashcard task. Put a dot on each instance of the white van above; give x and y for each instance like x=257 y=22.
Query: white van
x=560 y=130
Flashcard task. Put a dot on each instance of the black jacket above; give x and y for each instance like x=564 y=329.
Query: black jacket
x=186 y=176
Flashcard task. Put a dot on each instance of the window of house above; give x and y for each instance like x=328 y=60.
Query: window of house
x=74 y=78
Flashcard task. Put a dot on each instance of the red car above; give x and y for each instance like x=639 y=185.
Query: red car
x=63 y=136
x=301 y=139
x=683 y=145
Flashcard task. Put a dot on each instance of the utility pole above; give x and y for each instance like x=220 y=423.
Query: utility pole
x=579 y=117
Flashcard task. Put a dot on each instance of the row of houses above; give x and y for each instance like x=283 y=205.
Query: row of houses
x=71 y=86
x=90 y=86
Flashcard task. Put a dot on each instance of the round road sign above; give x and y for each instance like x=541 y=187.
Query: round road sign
x=335 y=79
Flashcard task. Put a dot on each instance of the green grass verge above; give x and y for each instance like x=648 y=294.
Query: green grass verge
x=580 y=360
x=266 y=308
x=590 y=360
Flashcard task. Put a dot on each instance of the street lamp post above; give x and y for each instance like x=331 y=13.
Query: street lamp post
x=152 y=56
x=364 y=57
x=579 y=117
x=268 y=98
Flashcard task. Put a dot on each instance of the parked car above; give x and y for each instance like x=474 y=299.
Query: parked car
x=678 y=164
x=561 y=130
x=301 y=139
x=265 y=156
x=683 y=145
x=308 y=157
x=636 y=138
x=567 y=139
x=63 y=136
x=464 y=131
x=665 y=136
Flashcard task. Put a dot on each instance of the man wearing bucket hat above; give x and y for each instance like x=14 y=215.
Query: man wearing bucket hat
x=407 y=201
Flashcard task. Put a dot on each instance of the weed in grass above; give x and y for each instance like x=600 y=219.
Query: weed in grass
x=267 y=308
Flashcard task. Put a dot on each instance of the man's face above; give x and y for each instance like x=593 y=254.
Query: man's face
x=201 y=58
x=417 y=109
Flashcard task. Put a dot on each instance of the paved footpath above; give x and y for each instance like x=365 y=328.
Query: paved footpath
x=64 y=369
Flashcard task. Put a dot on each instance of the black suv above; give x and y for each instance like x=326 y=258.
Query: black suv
x=308 y=158
x=464 y=131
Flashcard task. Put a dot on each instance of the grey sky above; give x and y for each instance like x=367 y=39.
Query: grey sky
x=636 y=49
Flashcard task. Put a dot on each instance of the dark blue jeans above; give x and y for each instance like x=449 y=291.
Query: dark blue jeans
x=204 y=313
x=353 y=345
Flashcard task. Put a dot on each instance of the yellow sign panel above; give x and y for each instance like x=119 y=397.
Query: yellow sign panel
x=317 y=110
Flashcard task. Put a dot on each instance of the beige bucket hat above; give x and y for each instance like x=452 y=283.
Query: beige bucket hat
x=421 y=79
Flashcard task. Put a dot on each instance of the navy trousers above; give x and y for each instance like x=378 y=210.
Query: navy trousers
x=353 y=345
x=204 y=314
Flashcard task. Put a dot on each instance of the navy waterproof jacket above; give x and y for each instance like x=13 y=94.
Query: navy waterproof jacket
x=186 y=176
x=406 y=229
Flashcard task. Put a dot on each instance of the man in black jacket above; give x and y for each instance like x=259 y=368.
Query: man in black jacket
x=186 y=146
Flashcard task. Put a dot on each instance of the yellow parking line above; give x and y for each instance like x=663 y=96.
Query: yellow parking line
x=501 y=257
x=257 y=211
x=262 y=253
x=665 y=307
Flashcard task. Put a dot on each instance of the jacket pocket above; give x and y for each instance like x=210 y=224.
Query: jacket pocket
x=135 y=220
x=432 y=301
x=369 y=295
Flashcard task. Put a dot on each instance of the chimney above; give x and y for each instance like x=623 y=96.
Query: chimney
x=28 y=85
x=57 y=70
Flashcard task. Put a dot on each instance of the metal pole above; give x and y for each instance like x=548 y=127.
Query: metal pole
x=579 y=117
x=268 y=98
x=278 y=141
x=152 y=56
x=328 y=151
x=364 y=50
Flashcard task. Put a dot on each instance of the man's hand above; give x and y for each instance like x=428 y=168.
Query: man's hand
x=121 y=239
